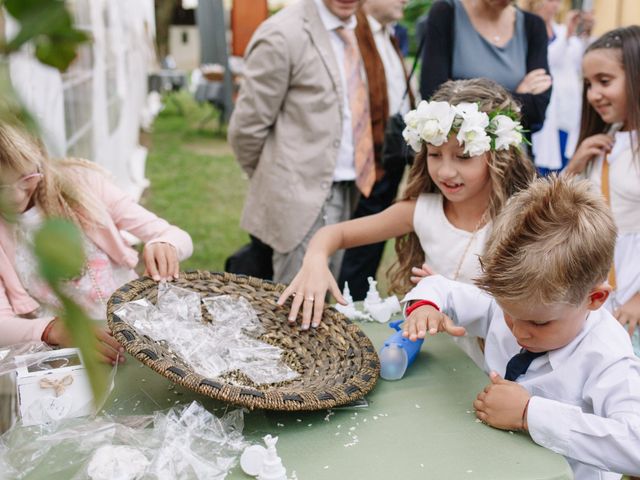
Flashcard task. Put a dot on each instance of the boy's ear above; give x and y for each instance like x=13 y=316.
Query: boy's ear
x=598 y=296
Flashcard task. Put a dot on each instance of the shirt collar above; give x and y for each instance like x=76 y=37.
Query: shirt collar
x=559 y=357
x=330 y=21
x=376 y=26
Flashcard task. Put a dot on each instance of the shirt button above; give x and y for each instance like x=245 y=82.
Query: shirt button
x=336 y=144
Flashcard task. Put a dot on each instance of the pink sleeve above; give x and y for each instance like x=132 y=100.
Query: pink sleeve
x=15 y=329
x=129 y=215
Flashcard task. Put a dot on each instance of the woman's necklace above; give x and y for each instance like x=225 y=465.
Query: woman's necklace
x=466 y=249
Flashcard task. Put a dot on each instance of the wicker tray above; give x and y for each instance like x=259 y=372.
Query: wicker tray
x=337 y=362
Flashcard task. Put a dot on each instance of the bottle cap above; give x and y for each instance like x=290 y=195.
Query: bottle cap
x=252 y=459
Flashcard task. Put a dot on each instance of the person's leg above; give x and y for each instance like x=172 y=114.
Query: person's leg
x=337 y=208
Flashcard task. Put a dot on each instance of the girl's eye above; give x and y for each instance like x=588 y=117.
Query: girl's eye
x=541 y=324
x=434 y=154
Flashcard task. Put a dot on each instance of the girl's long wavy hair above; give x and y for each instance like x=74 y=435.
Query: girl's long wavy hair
x=624 y=44
x=509 y=170
x=61 y=192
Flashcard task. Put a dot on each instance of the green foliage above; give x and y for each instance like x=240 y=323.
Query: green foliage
x=48 y=25
x=412 y=12
x=58 y=247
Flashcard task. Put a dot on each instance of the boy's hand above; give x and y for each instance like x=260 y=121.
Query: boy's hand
x=428 y=318
x=629 y=313
x=501 y=404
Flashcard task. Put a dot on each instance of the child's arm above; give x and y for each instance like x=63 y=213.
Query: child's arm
x=466 y=305
x=310 y=285
x=608 y=439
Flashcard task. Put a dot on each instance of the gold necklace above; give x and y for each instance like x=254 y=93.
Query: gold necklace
x=466 y=249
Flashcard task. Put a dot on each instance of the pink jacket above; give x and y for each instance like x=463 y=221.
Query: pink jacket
x=124 y=214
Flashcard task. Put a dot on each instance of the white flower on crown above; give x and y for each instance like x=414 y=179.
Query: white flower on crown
x=472 y=132
x=431 y=121
x=507 y=132
x=412 y=137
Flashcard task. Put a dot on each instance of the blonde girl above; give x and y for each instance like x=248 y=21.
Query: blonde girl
x=455 y=189
x=34 y=187
x=609 y=155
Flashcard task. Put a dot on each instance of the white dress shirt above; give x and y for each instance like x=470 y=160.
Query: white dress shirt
x=393 y=66
x=585 y=400
x=345 y=166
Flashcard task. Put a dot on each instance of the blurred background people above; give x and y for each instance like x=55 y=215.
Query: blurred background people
x=492 y=39
x=555 y=143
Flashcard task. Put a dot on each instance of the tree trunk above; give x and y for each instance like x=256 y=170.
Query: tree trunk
x=164 y=13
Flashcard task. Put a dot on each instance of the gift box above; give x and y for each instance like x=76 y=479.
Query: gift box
x=51 y=386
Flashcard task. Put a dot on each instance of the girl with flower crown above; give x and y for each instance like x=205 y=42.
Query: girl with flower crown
x=469 y=162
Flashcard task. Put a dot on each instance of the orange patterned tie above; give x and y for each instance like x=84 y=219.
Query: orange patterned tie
x=360 y=116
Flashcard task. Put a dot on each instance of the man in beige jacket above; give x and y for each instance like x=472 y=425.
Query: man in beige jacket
x=293 y=131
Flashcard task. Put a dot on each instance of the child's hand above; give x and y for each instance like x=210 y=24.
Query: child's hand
x=109 y=350
x=418 y=273
x=427 y=317
x=629 y=313
x=309 y=288
x=501 y=404
x=535 y=82
x=161 y=261
x=590 y=148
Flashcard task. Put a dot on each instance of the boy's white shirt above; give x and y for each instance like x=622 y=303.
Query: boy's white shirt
x=586 y=395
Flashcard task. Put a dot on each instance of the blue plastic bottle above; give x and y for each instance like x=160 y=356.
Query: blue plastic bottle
x=398 y=353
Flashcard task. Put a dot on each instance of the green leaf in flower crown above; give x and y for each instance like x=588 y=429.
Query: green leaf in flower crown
x=58 y=246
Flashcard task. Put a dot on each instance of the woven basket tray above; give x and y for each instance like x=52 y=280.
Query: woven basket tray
x=337 y=362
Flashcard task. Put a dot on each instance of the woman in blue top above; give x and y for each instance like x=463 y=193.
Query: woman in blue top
x=492 y=39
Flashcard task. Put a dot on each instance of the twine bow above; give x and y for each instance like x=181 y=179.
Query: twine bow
x=59 y=385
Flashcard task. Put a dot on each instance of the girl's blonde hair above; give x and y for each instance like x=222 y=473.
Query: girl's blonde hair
x=509 y=170
x=61 y=192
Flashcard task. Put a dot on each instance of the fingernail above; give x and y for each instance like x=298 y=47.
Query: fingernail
x=121 y=350
x=156 y=278
x=315 y=324
x=292 y=319
x=433 y=331
x=305 y=327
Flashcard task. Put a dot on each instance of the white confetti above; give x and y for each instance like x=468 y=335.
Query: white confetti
x=326 y=467
x=280 y=424
x=417 y=406
x=469 y=471
x=422 y=465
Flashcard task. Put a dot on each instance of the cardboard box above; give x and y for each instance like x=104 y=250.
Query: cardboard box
x=51 y=386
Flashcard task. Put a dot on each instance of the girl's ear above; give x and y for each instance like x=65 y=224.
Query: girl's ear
x=598 y=296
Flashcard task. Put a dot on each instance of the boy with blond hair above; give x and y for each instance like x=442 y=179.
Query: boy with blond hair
x=561 y=367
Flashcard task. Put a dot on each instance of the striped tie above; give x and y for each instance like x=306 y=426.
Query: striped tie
x=360 y=116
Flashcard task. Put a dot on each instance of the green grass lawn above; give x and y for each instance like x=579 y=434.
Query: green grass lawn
x=197 y=184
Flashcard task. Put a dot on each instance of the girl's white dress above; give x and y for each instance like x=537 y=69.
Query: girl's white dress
x=448 y=250
x=624 y=188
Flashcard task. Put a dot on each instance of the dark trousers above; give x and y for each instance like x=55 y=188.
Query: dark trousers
x=362 y=262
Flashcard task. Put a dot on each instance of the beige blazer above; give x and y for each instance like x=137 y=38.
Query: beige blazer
x=287 y=124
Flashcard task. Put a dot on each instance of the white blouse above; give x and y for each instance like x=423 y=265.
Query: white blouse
x=624 y=187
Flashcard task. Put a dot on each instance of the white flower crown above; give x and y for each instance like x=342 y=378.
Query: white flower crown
x=479 y=132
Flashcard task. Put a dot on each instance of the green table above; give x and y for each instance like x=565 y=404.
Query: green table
x=422 y=426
